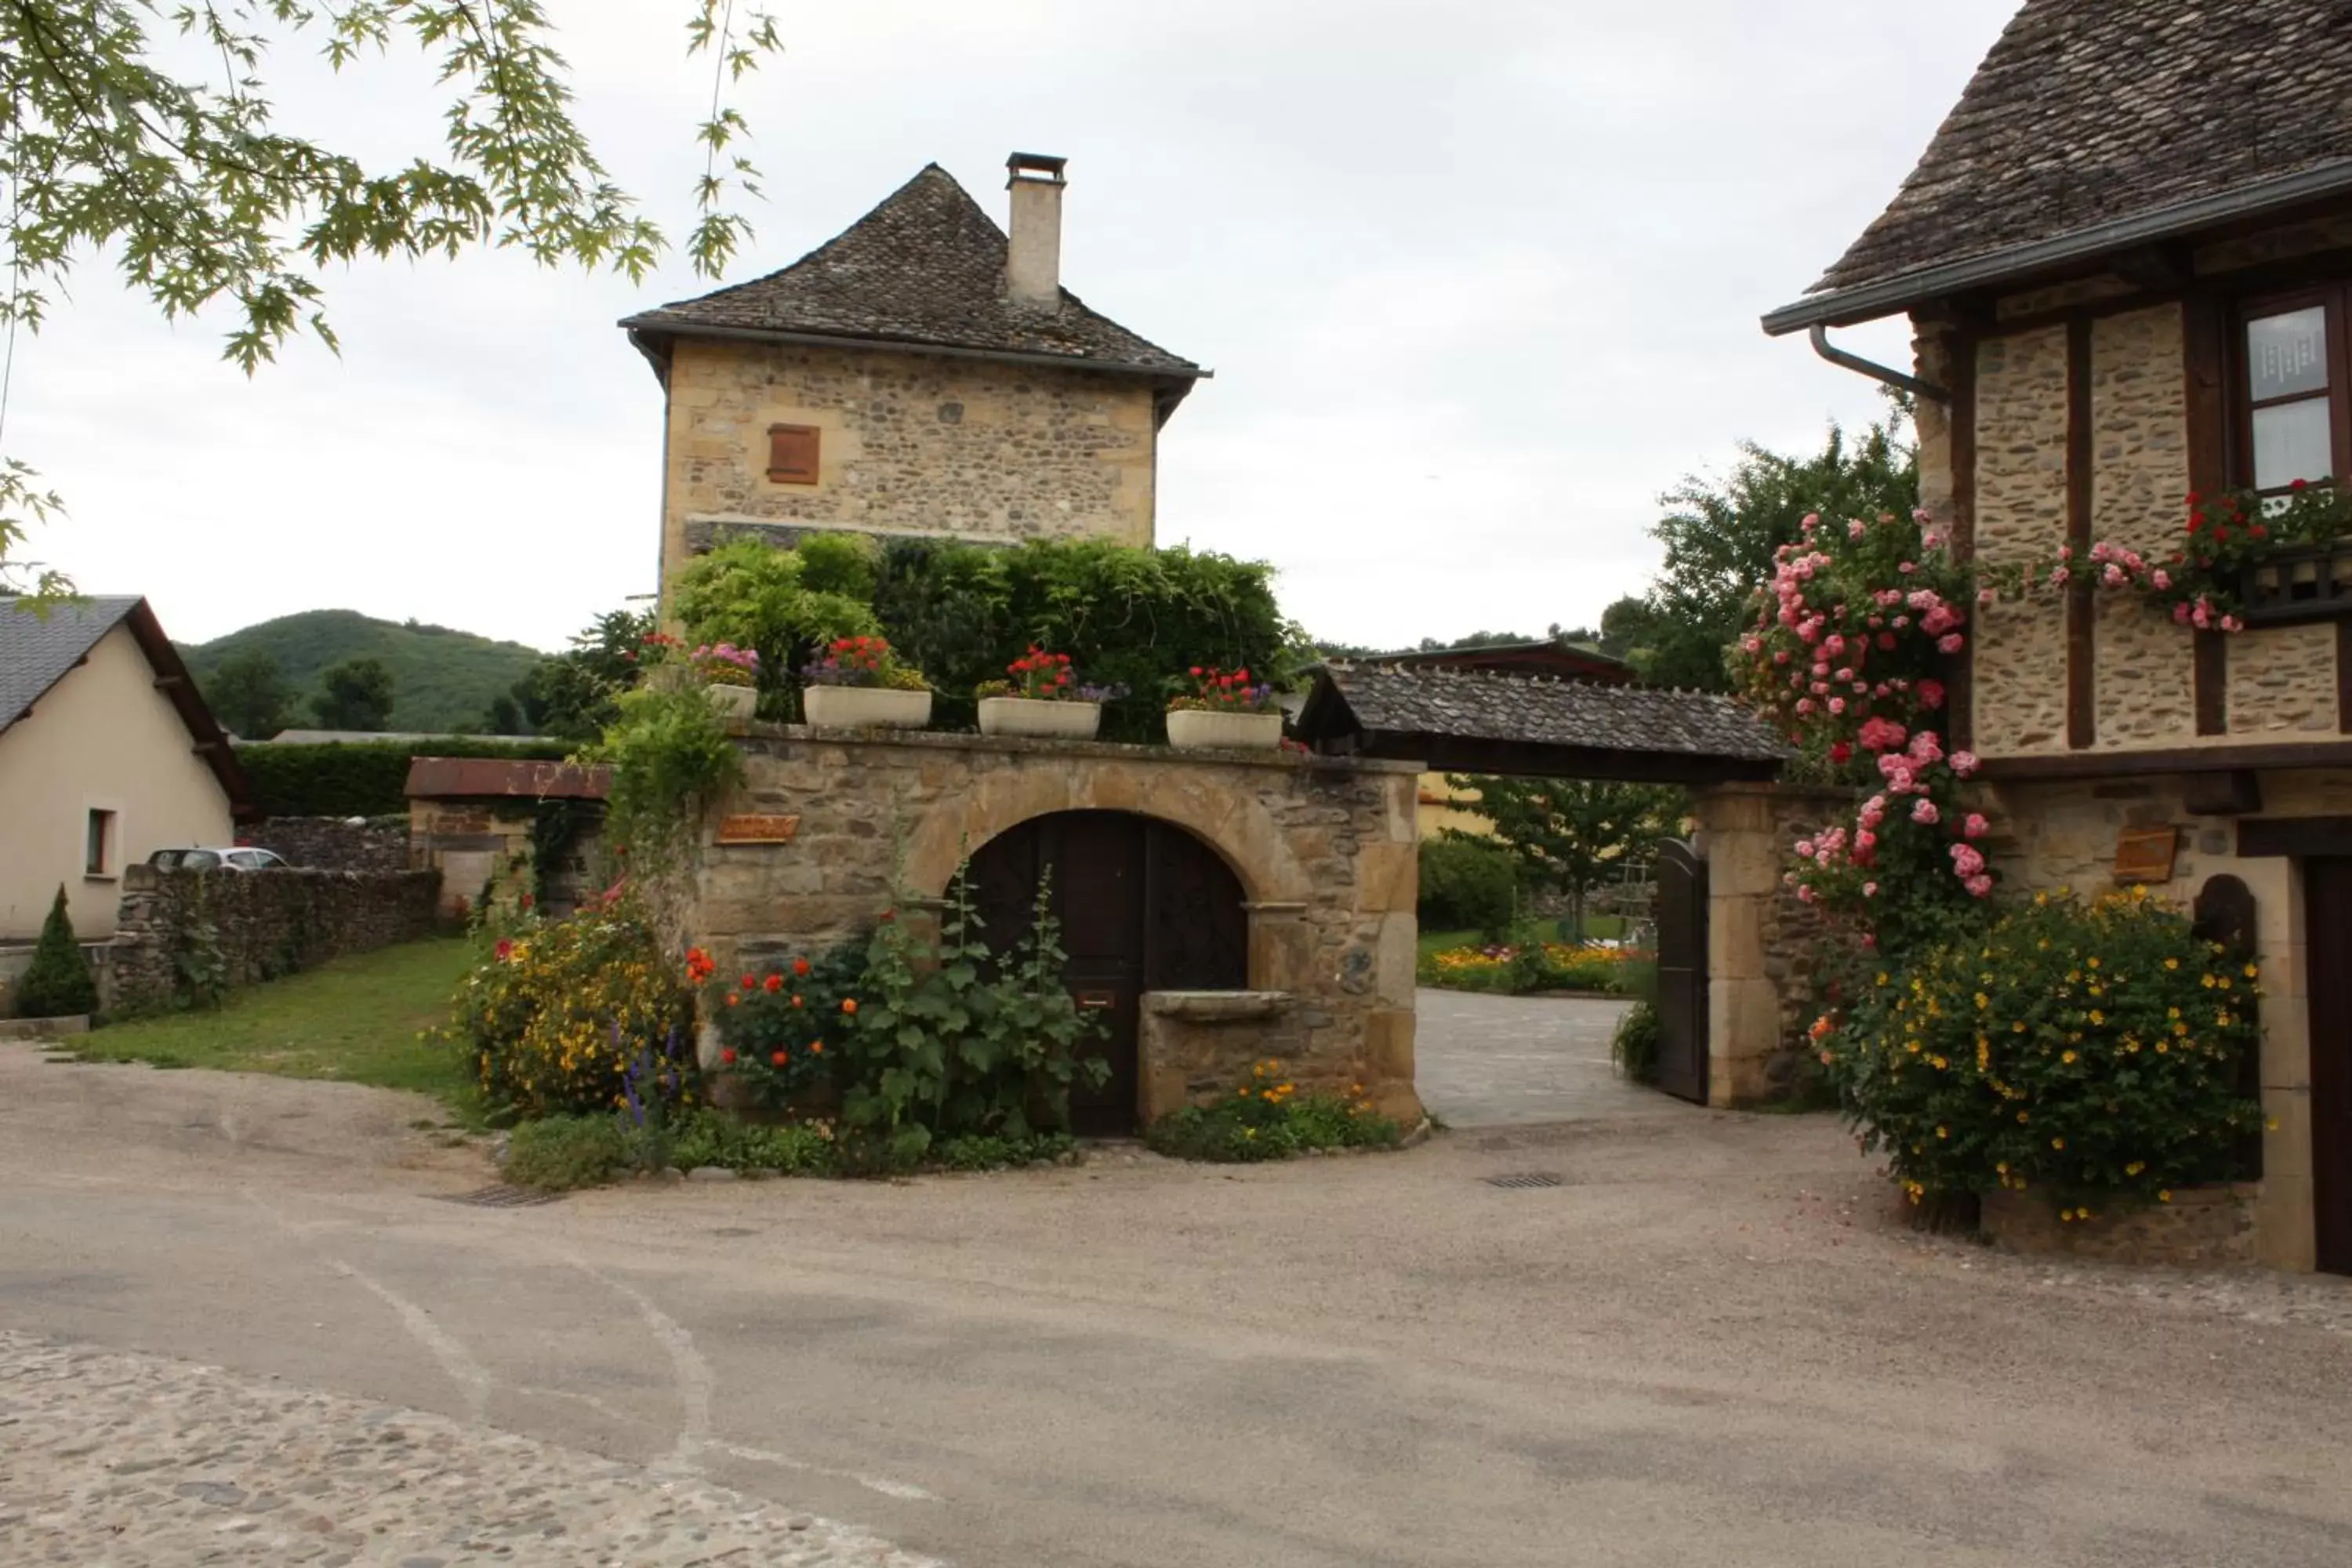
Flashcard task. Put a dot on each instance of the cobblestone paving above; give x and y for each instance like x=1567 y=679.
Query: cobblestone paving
x=109 y=1460
x=1500 y=1061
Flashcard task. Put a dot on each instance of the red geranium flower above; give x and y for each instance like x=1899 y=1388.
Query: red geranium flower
x=749 y=982
x=799 y=966
x=778 y=1058
x=774 y=983
x=728 y=1055
x=849 y=1005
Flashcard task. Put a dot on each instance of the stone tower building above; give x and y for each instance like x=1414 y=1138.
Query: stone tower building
x=920 y=374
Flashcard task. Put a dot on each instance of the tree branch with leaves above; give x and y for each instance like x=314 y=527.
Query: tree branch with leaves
x=200 y=200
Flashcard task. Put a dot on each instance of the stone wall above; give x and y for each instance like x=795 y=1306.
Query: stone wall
x=2020 y=685
x=2145 y=665
x=910 y=443
x=334 y=843
x=482 y=848
x=2063 y=835
x=1324 y=849
x=1763 y=942
x=262 y=924
x=2282 y=683
x=2201 y=1227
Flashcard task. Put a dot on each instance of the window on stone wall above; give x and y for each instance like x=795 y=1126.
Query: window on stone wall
x=2294 y=417
x=792 y=453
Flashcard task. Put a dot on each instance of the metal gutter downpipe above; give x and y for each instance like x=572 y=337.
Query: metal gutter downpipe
x=1873 y=369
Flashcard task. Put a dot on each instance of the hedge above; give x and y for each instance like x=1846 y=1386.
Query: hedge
x=359 y=778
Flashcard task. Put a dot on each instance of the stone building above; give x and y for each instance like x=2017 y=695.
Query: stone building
x=920 y=374
x=2126 y=258
x=484 y=824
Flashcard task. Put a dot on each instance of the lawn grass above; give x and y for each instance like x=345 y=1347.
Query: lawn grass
x=354 y=1019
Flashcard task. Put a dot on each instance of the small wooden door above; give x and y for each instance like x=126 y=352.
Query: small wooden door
x=2327 y=911
x=1682 y=972
x=1144 y=906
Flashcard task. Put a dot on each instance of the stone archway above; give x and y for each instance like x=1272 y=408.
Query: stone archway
x=1143 y=907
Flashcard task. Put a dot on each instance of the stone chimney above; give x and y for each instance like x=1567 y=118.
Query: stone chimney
x=1032 y=267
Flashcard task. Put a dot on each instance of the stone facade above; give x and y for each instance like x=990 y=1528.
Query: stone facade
x=333 y=843
x=910 y=443
x=2063 y=835
x=2203 y=1227
x=1324 y=850
x=263 y=925
x=2021 y=517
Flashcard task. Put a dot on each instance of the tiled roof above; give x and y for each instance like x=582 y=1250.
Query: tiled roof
x=485 y=778
x=2090 y=112
x=926 y=267
x=36 y=651
x=1484 y=706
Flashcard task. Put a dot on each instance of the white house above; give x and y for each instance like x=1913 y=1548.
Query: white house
x=107 y=752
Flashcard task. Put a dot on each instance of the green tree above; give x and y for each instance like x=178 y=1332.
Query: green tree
x=1566 y=833
x=57 y=983
x=356 y=694
x=570 y=695
x=1720 y=533
x=181 y=176
x=248 y=694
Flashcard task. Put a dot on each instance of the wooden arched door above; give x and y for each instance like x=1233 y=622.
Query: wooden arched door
x=1144 y=906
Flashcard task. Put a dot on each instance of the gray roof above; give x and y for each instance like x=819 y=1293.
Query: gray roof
x=924 y=269
x=2090 y=112
x=1474 y=705
x=37 y=651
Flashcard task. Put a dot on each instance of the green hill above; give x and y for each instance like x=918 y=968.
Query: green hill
x=441 y=679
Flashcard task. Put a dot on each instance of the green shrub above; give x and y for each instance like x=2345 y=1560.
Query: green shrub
x=560 y=1152
x=358 y=778
x=1634 y=1046
x=670 y=757
x=2086 y=1050
x=555 y=1016
x=985 y=1154
x=1467 y=885
x=57 y=983
x=781 y=1026
x=699 y=1138
x=1267 y=1119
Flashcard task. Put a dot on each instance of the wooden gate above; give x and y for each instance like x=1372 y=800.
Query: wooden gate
x=1682 y=972
x=1144 y=906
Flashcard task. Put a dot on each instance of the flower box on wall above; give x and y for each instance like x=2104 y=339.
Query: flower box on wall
x=865 y=707
x=2299 y=582
x=1039 y=717
x=736 y=703
x=1201 y=729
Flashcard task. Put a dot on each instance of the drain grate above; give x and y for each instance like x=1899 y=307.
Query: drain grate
x=503 y=1197
x=1524 y=1179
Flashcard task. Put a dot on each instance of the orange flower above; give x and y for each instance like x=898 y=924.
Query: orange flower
x=732 y=998
x=849 y=1003
x=799 y=966
x=778 y=1057
x=816 y=1048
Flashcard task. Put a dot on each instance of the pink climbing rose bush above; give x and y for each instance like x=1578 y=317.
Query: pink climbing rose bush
x=1850 y=656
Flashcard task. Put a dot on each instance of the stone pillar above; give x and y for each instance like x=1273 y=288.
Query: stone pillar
x=1759 y=937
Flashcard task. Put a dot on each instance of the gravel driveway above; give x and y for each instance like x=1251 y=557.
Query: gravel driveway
x=1703 y=1343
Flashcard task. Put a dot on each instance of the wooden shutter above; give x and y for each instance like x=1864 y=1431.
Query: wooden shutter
x=792 y=453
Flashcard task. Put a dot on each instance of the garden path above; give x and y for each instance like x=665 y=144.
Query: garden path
x=1483 y=1060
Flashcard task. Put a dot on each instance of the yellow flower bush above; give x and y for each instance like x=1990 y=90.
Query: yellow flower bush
x=1544 y=967
x=1267 y=1119
x=555 y=1015
x=2084 y=1049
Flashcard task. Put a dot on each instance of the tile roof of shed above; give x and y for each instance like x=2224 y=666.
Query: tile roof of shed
x=39 y=651
x=1488 y=706
x=2090 y=112
x=924 y=269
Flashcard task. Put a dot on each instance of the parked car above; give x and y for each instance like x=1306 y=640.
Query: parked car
x=236 y=857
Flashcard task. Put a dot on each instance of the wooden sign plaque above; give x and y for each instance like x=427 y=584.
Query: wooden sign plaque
x=758 y=829
x=2144 y=854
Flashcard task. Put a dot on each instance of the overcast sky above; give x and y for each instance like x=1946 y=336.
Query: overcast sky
x=1478 y=281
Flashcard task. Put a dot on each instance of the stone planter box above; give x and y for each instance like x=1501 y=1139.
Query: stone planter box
x=2201 y=1227
x=1042 y=720
x=733 y=702
x=1197 y=729
x=866 y=707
